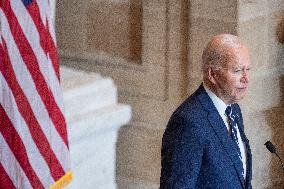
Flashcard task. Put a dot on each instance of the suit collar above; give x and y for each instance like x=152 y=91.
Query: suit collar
x=204 y=99
x=220 y=130
x=218 y=103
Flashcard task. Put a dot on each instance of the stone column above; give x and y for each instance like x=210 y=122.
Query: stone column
x=93 y=120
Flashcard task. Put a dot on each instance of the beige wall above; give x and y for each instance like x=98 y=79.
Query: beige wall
x=152 y=50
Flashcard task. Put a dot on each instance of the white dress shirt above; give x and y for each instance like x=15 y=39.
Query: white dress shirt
x=221 y=107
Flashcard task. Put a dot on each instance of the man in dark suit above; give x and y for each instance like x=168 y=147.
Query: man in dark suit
x=204 y=144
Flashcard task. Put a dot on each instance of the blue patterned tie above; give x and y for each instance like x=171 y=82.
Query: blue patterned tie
x=233 y=127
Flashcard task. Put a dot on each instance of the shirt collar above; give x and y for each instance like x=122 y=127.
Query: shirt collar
x=218 y=103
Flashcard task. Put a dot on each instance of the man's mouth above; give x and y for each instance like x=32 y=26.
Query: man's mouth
x=242 y=88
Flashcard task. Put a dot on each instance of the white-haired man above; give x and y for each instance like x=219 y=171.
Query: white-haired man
x=204 y=144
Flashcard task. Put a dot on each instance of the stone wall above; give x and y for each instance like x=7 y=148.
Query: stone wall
x=168 y=37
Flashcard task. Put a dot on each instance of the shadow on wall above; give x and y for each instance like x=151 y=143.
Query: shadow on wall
x=280 y=32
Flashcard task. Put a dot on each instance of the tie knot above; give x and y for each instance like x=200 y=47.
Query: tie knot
x=228 y=111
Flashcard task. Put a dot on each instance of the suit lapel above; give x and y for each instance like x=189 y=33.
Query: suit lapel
x=249 y=166
x=221 y=131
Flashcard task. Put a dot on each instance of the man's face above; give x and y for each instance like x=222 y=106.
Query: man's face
x=231 y=80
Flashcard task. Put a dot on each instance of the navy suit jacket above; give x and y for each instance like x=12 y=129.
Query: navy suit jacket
x=197 y=150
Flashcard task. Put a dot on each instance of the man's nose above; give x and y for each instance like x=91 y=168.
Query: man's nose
x=245 y=77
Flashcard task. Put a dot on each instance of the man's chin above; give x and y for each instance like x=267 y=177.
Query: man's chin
x=239 y=98
x=236 y=99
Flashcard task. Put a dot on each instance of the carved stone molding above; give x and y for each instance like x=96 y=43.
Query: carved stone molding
x=132 y=47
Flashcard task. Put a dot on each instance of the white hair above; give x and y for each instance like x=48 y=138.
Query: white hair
x=217 y=51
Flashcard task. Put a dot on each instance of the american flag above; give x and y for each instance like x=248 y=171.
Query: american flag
x=34 y=150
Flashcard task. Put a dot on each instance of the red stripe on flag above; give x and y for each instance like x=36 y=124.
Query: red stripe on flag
x=5 y=181
x=18 y=148
x=46 y=40
x=31 y=62
x=27 y=113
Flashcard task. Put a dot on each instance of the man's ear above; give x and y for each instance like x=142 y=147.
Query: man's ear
x=211 y=75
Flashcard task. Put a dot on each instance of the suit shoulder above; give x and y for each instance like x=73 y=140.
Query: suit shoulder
x=191 y=108
x=189 y=116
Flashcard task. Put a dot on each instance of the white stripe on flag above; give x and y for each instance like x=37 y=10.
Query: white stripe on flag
x=7 y=159
x=36 y=160
x=45 y=7
x=27 y=84
x=32 y=36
